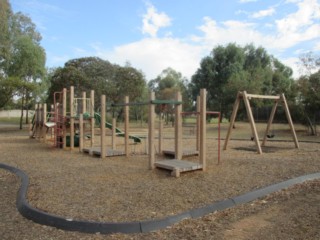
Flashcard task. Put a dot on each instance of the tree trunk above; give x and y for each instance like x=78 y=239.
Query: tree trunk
x=27 y=110
x=310 y=125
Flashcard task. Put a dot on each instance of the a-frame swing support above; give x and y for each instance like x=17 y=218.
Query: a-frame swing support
x=246 y=98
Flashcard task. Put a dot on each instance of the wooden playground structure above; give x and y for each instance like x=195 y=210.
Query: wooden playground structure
x=246 y=98
x=62 y=125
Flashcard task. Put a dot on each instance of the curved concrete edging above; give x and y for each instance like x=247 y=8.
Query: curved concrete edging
x=48 y=219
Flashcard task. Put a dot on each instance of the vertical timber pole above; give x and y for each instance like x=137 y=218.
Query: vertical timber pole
x=126 y=125
x=39 y=121
x=83 y=111
x=103 y=126
x=71 y=118
x=151 y=131
x=81 y=137
x=84 y=98
x=203 y=134
x=198 y=124
x=178 y=128
x=114 y=123
x=92 y=116
x=62 y=119
x=160 y=136
x=44 y=134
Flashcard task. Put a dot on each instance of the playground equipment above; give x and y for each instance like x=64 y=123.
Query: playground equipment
x=39 y=121
x=178 y=165
x=81 y=113
x=100 y=118
x=246 y=97
x=63 y=122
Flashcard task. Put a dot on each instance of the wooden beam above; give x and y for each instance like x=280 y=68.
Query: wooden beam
x=103 y=126
x=71 y=118
x=203 y=129
x=81 y=136
x=198 y=124
x=286 y=108
x=92 y=117
x=63 y=118
x=126 y=126
x=273 y=111
x=151 y=119
x=249 y=96
x=178 y=128
x=252 y=123
x=232 y=119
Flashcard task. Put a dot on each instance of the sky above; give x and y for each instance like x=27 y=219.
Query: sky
x=153 y=35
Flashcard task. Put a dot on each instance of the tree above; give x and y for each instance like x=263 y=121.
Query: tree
x=22 y=60
x=230 y=69
x=5 y=13
x=165 y=87
x=28 y=64
x=99 y=75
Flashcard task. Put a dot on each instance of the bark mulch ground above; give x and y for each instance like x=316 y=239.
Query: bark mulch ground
x=79 y=186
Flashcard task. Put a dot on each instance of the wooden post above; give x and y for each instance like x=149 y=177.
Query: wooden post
x=114 y=140
x=198 y=124
x=232 y=119
x=160 y=136
x=84 y=102
x=286 y=108
x=103 y=126
x=203 y=133
x=151 y=131
x=72 y=115
x=251 y=121
x=62 y=120
x=44 y=129
x=178 y=128
x=39 y=121
x=81 y=136
x=92 y=122
x=126 y=125
x=273 y=111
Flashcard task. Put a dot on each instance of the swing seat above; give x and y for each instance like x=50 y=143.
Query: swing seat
x=270 y=135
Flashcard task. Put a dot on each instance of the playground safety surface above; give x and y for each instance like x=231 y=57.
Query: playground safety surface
x=119 y=189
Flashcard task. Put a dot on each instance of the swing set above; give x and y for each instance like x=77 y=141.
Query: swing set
x=246 y=98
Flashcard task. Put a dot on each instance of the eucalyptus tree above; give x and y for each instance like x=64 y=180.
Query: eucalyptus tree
x=229 y=69
x=101 y=76
x=22 y=60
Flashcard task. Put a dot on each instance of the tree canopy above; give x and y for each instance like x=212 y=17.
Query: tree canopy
x=22 y=59
x=229 y=69
x=99 y=75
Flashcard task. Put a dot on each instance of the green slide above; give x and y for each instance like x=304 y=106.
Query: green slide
x=119 y=133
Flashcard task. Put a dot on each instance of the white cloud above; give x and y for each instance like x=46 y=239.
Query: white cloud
x=264 y=13
x=302 y=25
x=153 y=21
x=152 y=55
x=230 y=31
x=293 y=62
x=317 y=46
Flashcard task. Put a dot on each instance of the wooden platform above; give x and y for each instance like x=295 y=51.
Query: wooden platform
x=178 y=166
x=185 y=153
x=97 y=151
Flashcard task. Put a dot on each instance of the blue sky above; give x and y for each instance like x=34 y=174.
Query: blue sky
x=155 y=34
